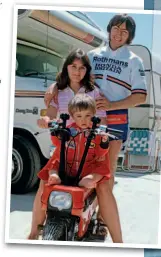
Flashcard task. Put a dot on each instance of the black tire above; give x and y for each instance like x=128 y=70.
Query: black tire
x=25 y=165
x=53 y=229
x=159 y=164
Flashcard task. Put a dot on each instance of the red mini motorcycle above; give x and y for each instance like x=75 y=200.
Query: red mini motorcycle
x=70 y=209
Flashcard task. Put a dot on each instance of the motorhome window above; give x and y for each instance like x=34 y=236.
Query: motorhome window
x=84 y=17
x=37 y=63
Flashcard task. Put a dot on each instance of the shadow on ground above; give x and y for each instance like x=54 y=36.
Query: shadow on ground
x=146 y=175
x=22 y=202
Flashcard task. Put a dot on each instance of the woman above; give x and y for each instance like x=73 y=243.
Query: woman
x=119 y=74
x=75 y=78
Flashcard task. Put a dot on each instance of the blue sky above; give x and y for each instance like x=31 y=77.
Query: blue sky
x=148 y=4
x=145 y=31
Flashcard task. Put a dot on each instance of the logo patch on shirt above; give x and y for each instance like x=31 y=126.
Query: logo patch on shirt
x=110 y=64
x=92 y=145
x=142 y=72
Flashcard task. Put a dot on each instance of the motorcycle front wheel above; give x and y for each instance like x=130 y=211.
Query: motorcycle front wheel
x=53 y=229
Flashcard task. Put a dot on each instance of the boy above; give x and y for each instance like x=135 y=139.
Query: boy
x=96 y=167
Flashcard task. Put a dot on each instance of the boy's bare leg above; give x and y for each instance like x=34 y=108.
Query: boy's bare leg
x=109 y=211
x=38 y=215
x=90 y=180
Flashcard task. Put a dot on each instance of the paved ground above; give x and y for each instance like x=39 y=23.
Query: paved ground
x=138 y=202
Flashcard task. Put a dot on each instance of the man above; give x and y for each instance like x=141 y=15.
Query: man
x=120 y=75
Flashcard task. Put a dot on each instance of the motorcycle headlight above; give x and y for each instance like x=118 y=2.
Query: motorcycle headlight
x=60 y=200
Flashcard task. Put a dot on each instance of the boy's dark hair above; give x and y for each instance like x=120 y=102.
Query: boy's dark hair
x=81 y=102
x=119 y=19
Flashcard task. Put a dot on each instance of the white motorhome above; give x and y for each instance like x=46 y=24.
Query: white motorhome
x=44 y=39
x=145 y=116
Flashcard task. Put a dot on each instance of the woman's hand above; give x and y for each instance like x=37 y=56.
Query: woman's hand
x=43 y=122
x=102 y=103
x=51 y=93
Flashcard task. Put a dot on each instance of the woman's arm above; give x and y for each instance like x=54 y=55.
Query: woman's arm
x=51 y=114
x=51 y=93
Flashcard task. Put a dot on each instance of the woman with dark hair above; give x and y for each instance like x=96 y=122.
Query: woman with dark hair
x=75 y=78
x=63 y=79
x=120 y=76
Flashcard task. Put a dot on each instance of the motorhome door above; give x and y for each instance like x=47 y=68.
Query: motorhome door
x=143 y=116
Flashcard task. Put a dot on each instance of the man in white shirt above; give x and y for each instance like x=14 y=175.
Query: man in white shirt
x=119 y=74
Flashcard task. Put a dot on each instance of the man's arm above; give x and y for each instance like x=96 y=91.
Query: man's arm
x=138 y=87
x=129 y=102
x=138 y=90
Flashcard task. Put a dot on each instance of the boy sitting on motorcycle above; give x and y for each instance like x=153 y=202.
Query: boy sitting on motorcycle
x=96 y=167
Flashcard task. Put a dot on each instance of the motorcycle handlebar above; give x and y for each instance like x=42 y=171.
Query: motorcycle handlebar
x=113 y=133
x=106 y=129
x=53 y=124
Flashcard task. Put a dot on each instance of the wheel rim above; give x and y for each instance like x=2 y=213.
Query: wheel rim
x=17 y=166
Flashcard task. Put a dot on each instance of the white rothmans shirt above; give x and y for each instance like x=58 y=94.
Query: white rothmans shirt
x=118 y=73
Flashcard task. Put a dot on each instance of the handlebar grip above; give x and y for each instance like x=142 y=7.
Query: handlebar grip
x=111 y=131
x=115 y=132
x=53 y=124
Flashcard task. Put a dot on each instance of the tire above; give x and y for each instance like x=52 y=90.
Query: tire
x=25 y=165
x=53 y=229
x=159 y=164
